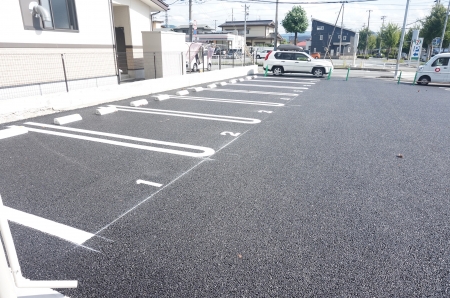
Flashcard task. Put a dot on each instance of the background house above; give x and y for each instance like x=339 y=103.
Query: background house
x=201 y=29
x=70 y=44
x=321 y=34
x=259 y=33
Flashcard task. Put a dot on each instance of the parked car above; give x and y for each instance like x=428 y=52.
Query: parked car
x=262 y=53
x=234 y=53
x=436 y=70
x=280 y=62
x=315 y=55
x=424 y=57
x=378 y=55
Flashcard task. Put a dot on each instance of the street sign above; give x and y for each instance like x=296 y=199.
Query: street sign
x=417 y=49
x=436 y=41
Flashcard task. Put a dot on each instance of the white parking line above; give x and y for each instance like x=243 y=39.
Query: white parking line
x=269 y=86
x=47 y=226
x=205 y=151
x=253 y=92
x=287 y=82
x=236 y=101
x=148 y=183
x=289 y=79
x=190 y=115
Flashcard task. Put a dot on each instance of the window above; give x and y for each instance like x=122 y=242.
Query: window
x=320 y=28
x=321 y=37
x=284 y=56
x=61 y=15
x=344 y=38
x=301 y=57
x=440 y=62
x=339 y=36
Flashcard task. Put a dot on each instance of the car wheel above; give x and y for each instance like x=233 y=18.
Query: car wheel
x=424 y=80
x=209 y=66
x=258 y=57
x=194 y=67
x=318 y=72
x=277 y=71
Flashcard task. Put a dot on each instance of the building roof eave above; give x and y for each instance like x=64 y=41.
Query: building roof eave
x=159 y=3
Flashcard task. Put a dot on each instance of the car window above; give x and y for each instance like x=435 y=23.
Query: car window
x=284 y=56
x=440 y=62
x=301 y=57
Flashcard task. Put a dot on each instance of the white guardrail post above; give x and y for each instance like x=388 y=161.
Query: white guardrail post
x=11 y=253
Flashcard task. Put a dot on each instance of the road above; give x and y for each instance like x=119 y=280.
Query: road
x=274 y=187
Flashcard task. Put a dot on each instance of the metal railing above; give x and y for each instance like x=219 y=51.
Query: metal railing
x=26 y=75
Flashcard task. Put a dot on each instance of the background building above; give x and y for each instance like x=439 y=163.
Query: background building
x=321 y=34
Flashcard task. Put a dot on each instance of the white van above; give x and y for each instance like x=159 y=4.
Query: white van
x=436 y=70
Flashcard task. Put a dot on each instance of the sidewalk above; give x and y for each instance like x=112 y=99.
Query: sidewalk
x=22 y=108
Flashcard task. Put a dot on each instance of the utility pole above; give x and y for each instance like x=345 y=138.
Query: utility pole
x=368 y=30
x=382 y=26
x=167 y=20
x=445 y=27
x=342 y=26
x=399 y=55
x=276 y=28
x=215 y=25
x=232 y=18
x=190 y=20
x=245 y=30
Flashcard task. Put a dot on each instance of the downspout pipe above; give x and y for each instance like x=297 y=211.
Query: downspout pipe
x=41 y=11
x=151 y=19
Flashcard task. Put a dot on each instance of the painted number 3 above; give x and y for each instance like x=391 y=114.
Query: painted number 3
x=233 y=134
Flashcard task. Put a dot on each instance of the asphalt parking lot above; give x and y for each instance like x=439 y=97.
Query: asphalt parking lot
x=286 y=186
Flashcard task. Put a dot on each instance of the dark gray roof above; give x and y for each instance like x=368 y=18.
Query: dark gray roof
x=249 y=23
x=198 y=26
x=332 y=25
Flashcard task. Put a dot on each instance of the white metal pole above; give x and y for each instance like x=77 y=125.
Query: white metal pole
x=10 y=249
x=342 y=26
x=445 y=27
x=276 y=28
x=245 y=32
x=399 y=55
x=7 y=289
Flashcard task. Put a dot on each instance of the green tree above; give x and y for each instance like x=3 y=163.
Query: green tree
x=295 y=21
x=390 y=35
x=372 y=42
x=363 y=39
x=433 y=25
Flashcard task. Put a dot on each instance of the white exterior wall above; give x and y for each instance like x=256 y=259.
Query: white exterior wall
x=139 y=20
x=122 y=19
x=93 y=22
x=257 y=31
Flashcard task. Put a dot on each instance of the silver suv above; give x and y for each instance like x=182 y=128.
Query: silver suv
x=280 y=62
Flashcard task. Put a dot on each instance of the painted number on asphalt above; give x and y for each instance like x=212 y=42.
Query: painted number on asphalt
x=263 y=111
x=233 y=134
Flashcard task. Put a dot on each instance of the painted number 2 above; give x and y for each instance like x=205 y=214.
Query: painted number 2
x=233 y=134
